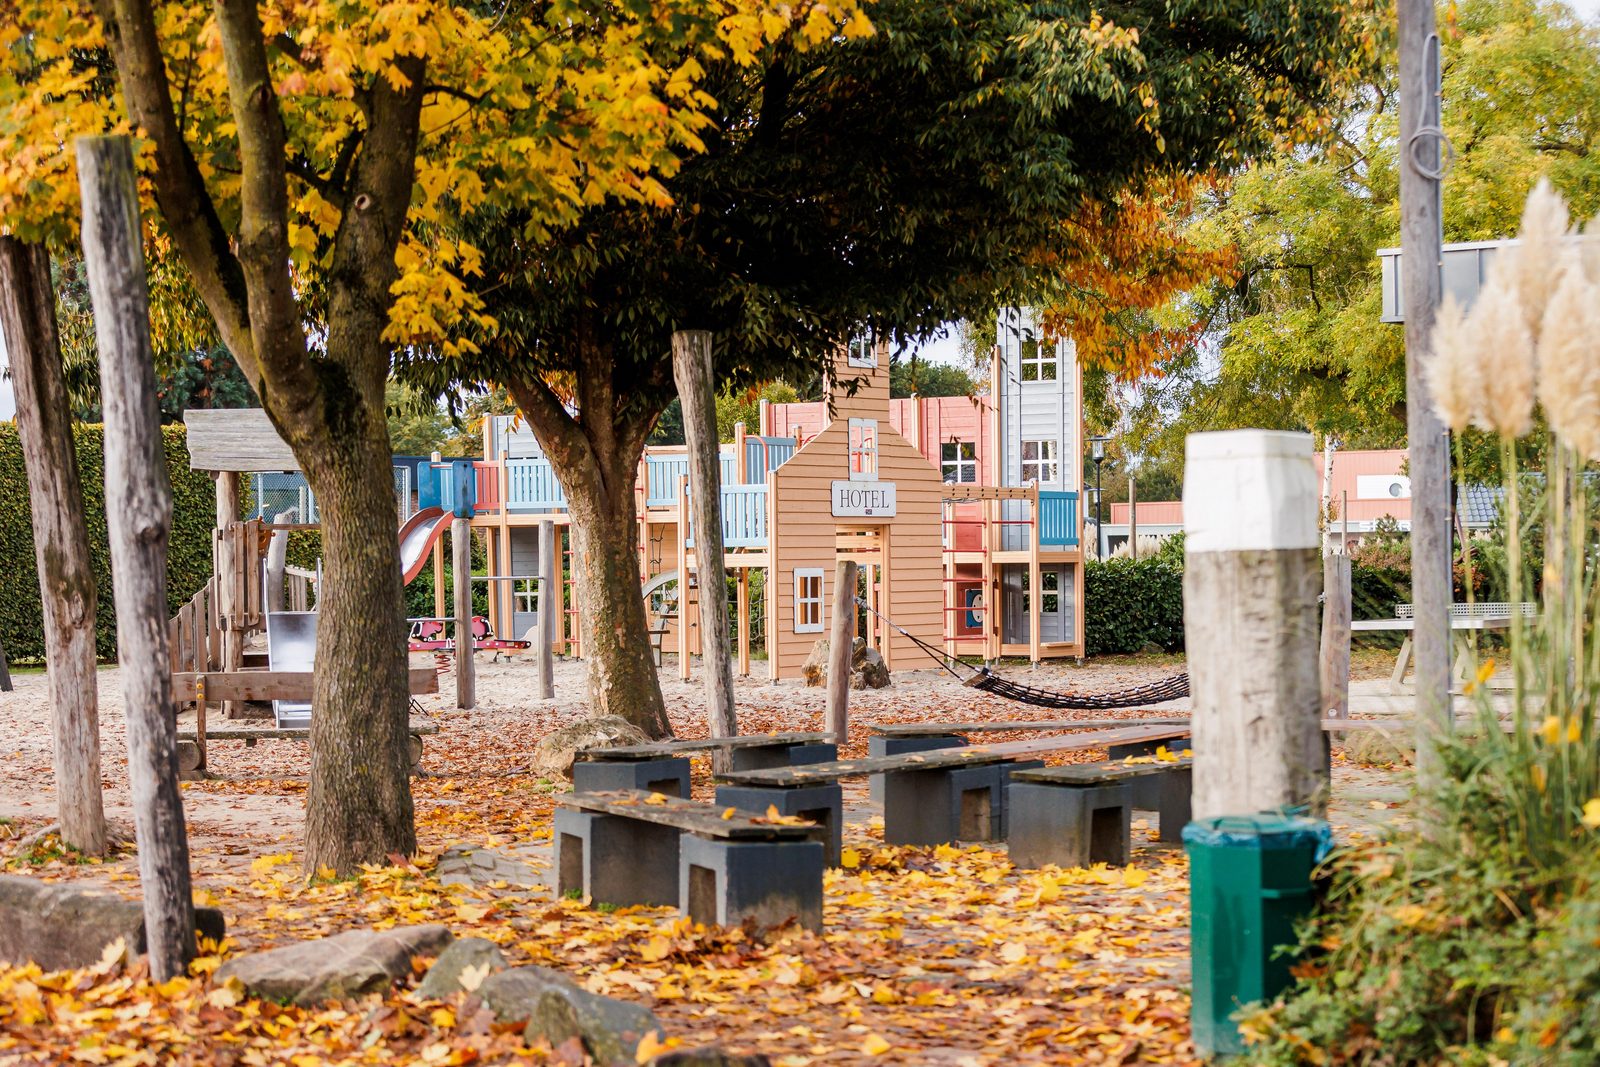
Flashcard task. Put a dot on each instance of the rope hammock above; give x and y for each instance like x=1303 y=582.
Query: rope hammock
x=1170 y=688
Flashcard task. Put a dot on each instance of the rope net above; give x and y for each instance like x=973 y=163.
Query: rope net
x=1169 y=688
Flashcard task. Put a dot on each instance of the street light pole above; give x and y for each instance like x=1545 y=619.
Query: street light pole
x=1097 y=445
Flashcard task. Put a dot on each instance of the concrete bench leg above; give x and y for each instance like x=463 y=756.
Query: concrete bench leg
x=764 y=757
x=1006 y=770
x=896 y=746
x=822 y=804
x=1069 y=826
x=613 y=860
x=767 y=883
x=1172 y=802
x=939 y=805
x=668 y=776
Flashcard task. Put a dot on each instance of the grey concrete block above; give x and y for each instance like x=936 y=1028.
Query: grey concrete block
x=766 y=883
x=669 y=776
x=764 y=757
x=614 y=860
x=1068 y=825
x=1006 y=770
x=896 y=746
x=822 y=804
x=938 y=805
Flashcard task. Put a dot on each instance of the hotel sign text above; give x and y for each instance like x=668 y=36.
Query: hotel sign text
x=854 y=499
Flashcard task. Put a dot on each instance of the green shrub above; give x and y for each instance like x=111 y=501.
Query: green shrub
x=188 y=552
x=1132 y=604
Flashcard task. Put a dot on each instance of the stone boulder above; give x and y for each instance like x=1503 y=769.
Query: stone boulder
x=335 y=968
x=709 y=1056
x=867 y=669
x=61 y=926
x=557 y=1009
x=553 y=756
x=475 y=954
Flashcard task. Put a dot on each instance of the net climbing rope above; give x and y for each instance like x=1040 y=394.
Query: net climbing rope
x=1170 y=688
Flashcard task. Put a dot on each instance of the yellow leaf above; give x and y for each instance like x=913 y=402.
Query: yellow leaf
x=1550 y=731
x=656 y=798
x=1014 y=952
x=655 y=950
x=442 y=1018
x=849 y=859
x=1591 y=814
x=875 y=1046
x=727 y=813
x=772 y=812
x=650 y=1048
x=1409 y=914
x=1133 y=878
x=472 y=977
x=471 y=913
x=263 y=864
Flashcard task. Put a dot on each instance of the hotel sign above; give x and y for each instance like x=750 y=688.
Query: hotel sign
x=862 y=499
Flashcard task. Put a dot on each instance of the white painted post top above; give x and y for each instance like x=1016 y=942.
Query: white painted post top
x=1249 y=489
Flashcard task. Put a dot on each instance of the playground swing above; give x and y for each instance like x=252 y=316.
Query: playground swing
x=985 y=679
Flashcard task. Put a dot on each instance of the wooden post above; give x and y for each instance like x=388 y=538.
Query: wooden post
x=1428 y=456
x=692 y=371
x=461 y=576
x=441 y=606
x=744 y=621
x=549 y=629
x=226 y=563
x=1335 y=657
x=139 y=516
x=60 y=540
x=1250 y=621
x=684 y=651
x=841 y=643
x=1133 y=517
x=5 y=672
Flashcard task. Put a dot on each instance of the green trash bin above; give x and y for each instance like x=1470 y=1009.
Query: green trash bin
x=1249 y=882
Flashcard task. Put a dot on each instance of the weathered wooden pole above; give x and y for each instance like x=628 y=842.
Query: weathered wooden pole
x=549 y=625
x=223 y=565
x=5 y=673
x=461 y=577
x=841 y=645
x=693 y=372
x=60 y=541
x=1428 y=456
x=1250 y=581
x=1335 y=658
x=138 y=518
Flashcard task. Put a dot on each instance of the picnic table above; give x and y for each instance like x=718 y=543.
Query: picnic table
x=1464 y=620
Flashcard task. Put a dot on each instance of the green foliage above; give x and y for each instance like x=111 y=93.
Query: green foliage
x=1129 y=604
x=917 y=377
x=745 y=407
x=188 y=552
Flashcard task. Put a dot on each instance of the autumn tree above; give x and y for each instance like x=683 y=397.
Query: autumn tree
x=890 y=184
x=301 y=157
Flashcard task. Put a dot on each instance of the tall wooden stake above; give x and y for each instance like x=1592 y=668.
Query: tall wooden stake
x=60 y=541
x=5 y=672
x=1335 y=657
x=1421 y=240
x=549 y=627
x=139 y=516
x=692 y=371
x=841 y=645
x=228 y=590
x=461 y=577
x=1251 y=574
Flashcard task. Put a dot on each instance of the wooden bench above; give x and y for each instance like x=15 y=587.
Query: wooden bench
x=1078 y=815
x=663 y=767
x=930 y=798
x=632 y=847
x=191 y=764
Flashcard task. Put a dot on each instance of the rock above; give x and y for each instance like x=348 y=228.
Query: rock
x=867 y=669
x=465 y=865
x=1376 y=748
x=815 y=669
x=334 y=968
x=557 y=1009
x=709 y=1056
x=60 y=926
x=554 y=754
x=482 y=957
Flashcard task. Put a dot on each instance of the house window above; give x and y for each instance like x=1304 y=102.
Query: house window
x=1038 y=359
x=808 y=600
x=863 y=449
x=1039 y=462
x=959 y=461
x=862 y=352
x=1050 y=591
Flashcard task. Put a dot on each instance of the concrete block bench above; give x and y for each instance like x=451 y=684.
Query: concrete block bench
x=627 y=848
x=1079 y=815
x=663 y=767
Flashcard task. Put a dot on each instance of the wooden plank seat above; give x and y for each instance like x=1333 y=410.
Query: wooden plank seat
x=191 y=765
x=633 y=847
x=930 y=798
x=1078 y=815
x=663 y=766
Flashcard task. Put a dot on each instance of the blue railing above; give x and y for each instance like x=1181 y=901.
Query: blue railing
x=663 y=471
x=744 y=517
x=532 y=486
x=1058 y=517
x=765 y=454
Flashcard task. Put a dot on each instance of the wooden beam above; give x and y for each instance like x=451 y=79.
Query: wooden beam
x=216 y=686
x=1335 y=658
x=241 y=440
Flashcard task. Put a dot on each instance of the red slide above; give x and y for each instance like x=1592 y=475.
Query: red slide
x=417 y=537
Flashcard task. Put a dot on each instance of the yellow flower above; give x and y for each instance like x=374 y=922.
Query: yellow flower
x=1538 y=778
x=1591 y=814
x=1551 y=730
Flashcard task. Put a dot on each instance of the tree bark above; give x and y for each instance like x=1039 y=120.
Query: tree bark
x=461 y=586
x=1336 y=636
x=692 y=369
x=139 y=517
x=60 y=542
x=841 y=651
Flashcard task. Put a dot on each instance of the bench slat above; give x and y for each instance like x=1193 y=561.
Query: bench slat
x=292 y=733
x=691 y=816
x=678 y=748
x=1095 y=773
x=939 y=729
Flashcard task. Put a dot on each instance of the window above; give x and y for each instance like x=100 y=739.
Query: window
x=863 y=450
x=808 y=600
x=1038 y=359
x=959 y=461
x=1039 y=462
x=862 y=352
x=1050 y=590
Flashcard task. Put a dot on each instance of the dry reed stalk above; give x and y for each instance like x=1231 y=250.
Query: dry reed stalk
x=1569 y=360
x=1455 y=372
x=1497 y=329
x=1538 y=262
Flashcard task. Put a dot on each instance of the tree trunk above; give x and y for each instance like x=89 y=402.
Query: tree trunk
x=841 y=651
x=692 y=368
x=359 y=807
x=60 y=543
x=139 y=518
x=461 y=587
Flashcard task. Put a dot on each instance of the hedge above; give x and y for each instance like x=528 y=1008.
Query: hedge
x=1130 y=605
x=188 y=553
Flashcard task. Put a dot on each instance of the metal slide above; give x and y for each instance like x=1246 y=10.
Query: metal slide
x=417 y=537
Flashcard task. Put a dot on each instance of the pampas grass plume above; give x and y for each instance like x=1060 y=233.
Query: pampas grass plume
x=1539 y=259
x=1590 y=250
x=1569 y=360
x=1498 y=327
x=1455 y=371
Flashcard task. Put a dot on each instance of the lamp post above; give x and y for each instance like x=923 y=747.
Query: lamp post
x=1097 y=452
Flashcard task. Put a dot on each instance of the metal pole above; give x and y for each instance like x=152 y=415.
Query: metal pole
x=1099 y=523
x=1421 y=240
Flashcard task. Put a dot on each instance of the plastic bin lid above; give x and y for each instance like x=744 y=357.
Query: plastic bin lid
x=1261 y=831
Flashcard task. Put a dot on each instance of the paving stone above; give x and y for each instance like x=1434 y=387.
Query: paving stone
x=445 y=976
x=557 y=1009
x=467 y=865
